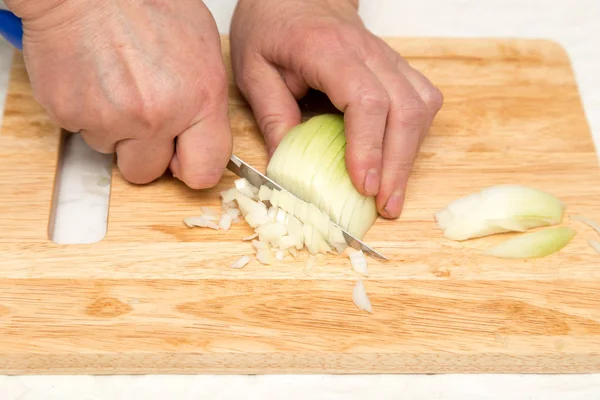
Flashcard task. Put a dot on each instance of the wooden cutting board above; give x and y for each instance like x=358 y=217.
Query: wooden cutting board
x=157 y=297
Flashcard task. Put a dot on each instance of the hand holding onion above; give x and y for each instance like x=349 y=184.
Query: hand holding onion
x=281 y=48
x=132 y=77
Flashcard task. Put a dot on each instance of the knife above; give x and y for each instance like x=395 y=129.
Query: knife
x=256 y=179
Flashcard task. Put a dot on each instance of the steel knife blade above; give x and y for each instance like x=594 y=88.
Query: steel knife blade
x=257 y=179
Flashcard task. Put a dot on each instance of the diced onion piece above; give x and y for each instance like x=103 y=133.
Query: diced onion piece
x=247 y=205
x=595 y=245
x=359 y=262
x=286 y=242
x=225 y=222
x=534 y=244
x=281 y=216
x=274 y=200
x=271 y=232
x=229 y=195
x=256 y=218
x=207 y=211
x=498 y=209
x=241 y=262
x=264 y=193
x=244 y=187
x=293 y=252
x=233 y=213
x=253 y=236
x=588 y=221
x=310 y=263
x=201 y=221
x=279 y=254
x=294 y=227
x=272 y=214
x=264 y=256
x=309 y=162
x=360 y=297
x=260 y=245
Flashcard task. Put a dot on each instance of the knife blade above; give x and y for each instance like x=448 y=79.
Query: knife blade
x=257 y=179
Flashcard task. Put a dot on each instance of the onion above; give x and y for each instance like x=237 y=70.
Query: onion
x=229 y=195
x=360 y=297
x=279 y=254
x=310 y=263
x=201 y=221
x=535 y=244
x=255 y=235
x=258 y=245
x=293 y=252
x=310 y=163
x=264 y=256
x=588 y=221
x=245 y=188
x=359 y=262
x=498 y=209
x=595 y=245
x=225 y=222
x=241 y=262
x=233 y=213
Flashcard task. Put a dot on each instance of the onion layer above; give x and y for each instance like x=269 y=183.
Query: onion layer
x=535 y=244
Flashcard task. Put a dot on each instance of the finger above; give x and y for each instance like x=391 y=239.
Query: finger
x=431 y=95
x=203 y=151
x=406 y=123
x=98 y=141
x=142 y=161
x=357 y=92
x=274 y=107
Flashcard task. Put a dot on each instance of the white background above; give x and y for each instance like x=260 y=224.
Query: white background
x=573 y=23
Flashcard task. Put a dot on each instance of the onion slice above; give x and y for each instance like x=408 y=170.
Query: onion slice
x=498 y=209
x=588 y=221
x=360 y=297
x=359 y=262
x=533 y=245
x=201 y=221
x=240 y=262
x=595 y=245
x=225 y=222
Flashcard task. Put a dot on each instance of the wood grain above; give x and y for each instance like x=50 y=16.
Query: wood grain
x=157 y=297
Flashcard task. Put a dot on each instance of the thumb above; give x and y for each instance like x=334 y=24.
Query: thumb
x=273 y=104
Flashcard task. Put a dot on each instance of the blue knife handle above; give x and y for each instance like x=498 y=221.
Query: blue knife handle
x=11 y=28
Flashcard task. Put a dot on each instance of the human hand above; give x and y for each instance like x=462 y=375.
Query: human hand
x=143 y=79
x=281 y=48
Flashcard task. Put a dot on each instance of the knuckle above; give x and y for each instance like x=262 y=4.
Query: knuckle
x=433 y=98
x=412 y=111
x=373 y=100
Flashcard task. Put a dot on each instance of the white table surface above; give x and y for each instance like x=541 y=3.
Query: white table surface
x=83 y=200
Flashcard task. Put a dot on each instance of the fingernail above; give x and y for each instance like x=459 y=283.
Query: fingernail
x=372 y=182
x=394 y=205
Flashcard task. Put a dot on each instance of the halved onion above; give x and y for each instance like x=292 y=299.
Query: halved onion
x=534 y=244
x=310 y=163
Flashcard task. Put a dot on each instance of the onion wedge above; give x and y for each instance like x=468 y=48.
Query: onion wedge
x=498 y=209
x=533 y=245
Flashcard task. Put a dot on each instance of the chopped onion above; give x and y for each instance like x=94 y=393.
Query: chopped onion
x=272 y=214
x=595 y=245
x=260 y=245
x=286 y=242
x=310 y=163
x=257 y=218
x=279 y=254
x=360 y=297
x=535 y=244
x=264 y=193
x=245 y=188
x=588 y=221
x=201 y=221
x=498 y=209
x=241 y=262
x=281 y=216
x=206 y=211
x=310 y=263
x=264 y=256
x=255 y=235
x=233 y=213
x=225 y=222
x=229 y=195
x=359 y=262
x=293 y=252
x=271 y=232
